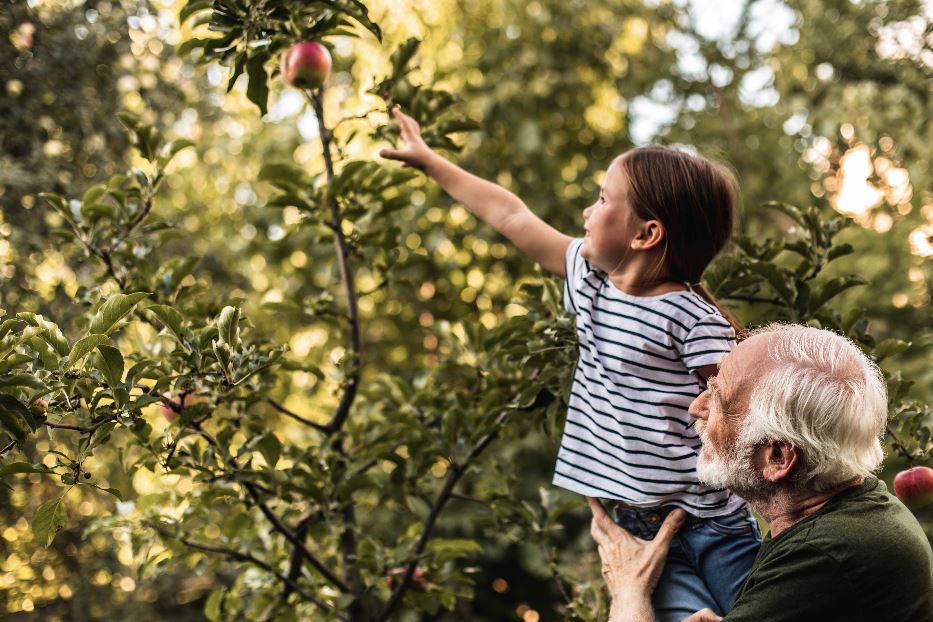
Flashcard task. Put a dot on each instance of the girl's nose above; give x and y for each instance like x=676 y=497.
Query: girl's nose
x=586 y=212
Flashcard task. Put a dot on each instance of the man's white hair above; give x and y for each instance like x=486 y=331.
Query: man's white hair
x=825 y=397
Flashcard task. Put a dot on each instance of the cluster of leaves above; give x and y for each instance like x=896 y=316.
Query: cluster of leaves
x=151 y=339
x=250 y=34
x=784 y=280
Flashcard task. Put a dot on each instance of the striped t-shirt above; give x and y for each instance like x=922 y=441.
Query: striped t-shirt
x=628 y=436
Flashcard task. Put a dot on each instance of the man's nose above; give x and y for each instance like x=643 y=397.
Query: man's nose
x=698 y=407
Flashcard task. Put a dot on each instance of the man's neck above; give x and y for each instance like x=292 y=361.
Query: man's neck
x=790 y=506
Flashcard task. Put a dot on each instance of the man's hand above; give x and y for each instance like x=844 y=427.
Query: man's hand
x=415 y=152
x=631 y=566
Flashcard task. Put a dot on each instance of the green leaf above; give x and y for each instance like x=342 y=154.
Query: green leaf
x=168 y=316
x=94 y=194
x=129 y=120
x=238 y=66
x=271 y=449
x=788 y=209
x=47 y=354
x=170 y=149
x=53 y=334
x=59 y=204
x=110 y=363
x=889 y=347
x=833 y=288
x=22 y=380
x=49 y=520
x=449 y=549
x=257 y=90
x=23 y=467
x=192 y=7
x=228 y=329
x=839 y=251
x=358 y=11
x=782 y=283
x=11 y=341
x=213 y=608
x=112 y=311
x=402 y=56
x=15 y=409
x=113 y=491
x=15 y=360
x=9 y=325
x=82 y=348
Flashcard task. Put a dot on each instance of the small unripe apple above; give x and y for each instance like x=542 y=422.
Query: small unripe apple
x=914 y=487
x=306 y=65
x=182 y=402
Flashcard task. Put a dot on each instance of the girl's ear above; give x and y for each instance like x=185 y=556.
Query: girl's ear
x=649 y=236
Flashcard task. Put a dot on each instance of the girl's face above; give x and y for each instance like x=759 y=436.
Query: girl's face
x=610 y=223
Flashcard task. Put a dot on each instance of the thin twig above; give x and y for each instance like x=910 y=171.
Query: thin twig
x=249 y=558
x=897 y=445
x=79 y=428
x=770 y=301
x=457 y=471
x=293 y=539
x=346 y=274
x=285 y=411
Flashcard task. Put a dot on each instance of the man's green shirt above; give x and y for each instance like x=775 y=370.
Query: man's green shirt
x=862 y=556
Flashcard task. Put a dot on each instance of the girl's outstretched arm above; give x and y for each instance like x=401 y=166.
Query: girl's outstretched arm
x=491 y=203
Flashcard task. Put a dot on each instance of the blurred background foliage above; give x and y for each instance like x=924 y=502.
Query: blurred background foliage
x=813 y=102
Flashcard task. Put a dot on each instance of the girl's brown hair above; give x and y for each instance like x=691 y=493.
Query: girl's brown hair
x=695 y=200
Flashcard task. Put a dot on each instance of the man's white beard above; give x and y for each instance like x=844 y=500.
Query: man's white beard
x=734 y=470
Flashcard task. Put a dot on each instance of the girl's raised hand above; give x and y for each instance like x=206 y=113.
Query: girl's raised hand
x=414 y=152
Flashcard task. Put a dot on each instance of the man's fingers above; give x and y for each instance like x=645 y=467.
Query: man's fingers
x=672 y=524
x=598 y=534
x=391 y=154
x=600 y=515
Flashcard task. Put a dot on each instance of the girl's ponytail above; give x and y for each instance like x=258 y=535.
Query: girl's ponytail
x=740 y=331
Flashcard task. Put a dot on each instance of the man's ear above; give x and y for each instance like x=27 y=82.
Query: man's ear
x=780 y=460
x=650 y=235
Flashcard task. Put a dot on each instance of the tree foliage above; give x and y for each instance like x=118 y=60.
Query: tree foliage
x=373 y=443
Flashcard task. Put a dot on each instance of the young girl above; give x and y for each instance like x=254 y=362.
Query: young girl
x=649 y=337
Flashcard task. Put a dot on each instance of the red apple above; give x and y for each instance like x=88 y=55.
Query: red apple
x=306 y=65
x=396 y=574
x=182 y=402
x=914 y=487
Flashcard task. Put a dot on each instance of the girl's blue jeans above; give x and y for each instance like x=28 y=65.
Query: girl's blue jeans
x=708 y=562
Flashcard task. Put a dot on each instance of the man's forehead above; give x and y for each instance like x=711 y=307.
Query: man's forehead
x=750 y=356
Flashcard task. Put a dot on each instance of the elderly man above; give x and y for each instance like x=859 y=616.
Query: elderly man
x=792 y=423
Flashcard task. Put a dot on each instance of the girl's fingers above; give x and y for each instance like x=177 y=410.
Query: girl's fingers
x=400 y=119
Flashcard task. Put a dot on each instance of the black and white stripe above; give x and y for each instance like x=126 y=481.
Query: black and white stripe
x=628 y=435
